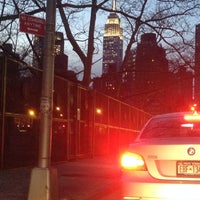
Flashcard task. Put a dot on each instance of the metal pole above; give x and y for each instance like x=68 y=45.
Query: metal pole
x=3 y=98
x=43 y=184
x=46 y=103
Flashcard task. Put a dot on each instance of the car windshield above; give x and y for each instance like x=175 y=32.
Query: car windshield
x=171 y=127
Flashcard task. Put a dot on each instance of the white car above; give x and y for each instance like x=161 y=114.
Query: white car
x=163 y=163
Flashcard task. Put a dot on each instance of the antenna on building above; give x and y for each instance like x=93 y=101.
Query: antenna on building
x=114 y=5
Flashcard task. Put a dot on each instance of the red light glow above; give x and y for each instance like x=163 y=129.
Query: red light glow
x=192 y=117
x=132 y=161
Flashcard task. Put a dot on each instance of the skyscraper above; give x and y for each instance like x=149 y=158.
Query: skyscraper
x=112 y=43
x=151 y=61
x=39 y=48
x=151 y=74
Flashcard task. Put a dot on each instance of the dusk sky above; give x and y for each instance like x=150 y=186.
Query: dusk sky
x=101 y=20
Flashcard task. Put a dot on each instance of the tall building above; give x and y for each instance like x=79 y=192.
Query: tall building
x=112 y=43
x=151 y=74
x=39 y=48
x=128 y=79
x=150 y=60
x=112 y=55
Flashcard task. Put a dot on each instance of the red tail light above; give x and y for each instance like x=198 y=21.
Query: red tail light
x=132 y=161
x=192 y=117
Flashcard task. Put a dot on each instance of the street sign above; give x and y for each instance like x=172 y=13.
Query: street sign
x=32 y=25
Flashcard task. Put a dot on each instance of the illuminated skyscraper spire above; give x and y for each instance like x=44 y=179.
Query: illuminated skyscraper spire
x=114 y=5
x=112 y=42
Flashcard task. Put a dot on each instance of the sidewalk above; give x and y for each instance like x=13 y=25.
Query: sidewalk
x=85 y=179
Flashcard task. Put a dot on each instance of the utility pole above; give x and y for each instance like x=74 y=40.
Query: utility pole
x=43 y=183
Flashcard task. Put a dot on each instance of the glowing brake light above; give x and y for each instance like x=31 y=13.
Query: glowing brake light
x=192 y=117
x=132 y=161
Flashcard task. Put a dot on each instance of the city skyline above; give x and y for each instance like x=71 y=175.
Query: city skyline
x=74 y=61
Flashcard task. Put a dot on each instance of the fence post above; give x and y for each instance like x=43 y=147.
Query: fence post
x=3 y=108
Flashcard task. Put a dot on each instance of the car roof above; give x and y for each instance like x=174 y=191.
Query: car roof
x=174 y=114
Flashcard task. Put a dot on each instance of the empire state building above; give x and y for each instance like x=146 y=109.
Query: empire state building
x=112 y=43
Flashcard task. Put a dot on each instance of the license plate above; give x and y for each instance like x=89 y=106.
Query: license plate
x=188 y=168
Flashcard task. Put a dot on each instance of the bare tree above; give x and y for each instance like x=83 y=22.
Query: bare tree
x=171 y=20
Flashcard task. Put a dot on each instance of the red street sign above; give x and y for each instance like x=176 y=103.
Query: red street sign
x=32 y=25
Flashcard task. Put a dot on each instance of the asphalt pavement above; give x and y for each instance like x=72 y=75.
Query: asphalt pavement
x=84 y=179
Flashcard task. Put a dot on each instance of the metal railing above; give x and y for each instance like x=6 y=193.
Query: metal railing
x=85 y=122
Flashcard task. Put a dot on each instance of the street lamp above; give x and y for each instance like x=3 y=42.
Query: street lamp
x=99 y=111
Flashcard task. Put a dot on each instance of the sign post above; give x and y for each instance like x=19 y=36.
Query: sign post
x=43 y=183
